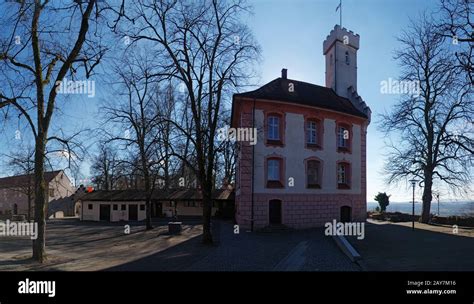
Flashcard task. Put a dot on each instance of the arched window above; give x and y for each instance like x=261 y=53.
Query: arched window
x=347 y=58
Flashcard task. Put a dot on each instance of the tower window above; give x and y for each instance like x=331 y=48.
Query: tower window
x=347 y=58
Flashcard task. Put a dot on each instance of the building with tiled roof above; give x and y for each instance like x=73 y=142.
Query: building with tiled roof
x=129 y=205
x=307 y=164
x=17 y=192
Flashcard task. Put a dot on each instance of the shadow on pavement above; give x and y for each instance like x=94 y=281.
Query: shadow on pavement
x=391 y=247
x=176 y=258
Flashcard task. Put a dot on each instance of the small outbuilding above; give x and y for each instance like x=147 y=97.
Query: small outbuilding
x=130 y=205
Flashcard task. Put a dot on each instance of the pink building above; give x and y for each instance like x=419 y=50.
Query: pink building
x=308 y=165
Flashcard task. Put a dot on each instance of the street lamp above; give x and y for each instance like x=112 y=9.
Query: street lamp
x=413 y=183
x=437 y=197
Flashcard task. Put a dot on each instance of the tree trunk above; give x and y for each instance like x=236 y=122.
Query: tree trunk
x=29 y=206
x=148 y=193
x=39 y=253
x=29 y=196
x=207 y=212
x=427 y=197
x=148 y=214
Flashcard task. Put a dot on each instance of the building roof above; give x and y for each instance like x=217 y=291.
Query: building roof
x=305 y=94
x=62 y=204
x=160 y=195
x=22 y=180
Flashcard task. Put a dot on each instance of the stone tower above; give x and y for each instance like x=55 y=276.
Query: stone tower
x=340 y=49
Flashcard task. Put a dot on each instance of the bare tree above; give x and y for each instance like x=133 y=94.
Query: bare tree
x=42 y=42
x=106 y=168
x=432 y=130
x=22 y=162
x=136 y=114
x=204 y=45
x=166 y=107
x=457 y=23
x=228 y=162
x=227 y=157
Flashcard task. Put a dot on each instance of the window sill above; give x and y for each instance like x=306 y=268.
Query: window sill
x=277 y=143
x=313 y=186
x=313 y=146
x=274 y=184
x=343 y=150
x=343 y=186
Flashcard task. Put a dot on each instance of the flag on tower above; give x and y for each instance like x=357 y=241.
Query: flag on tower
x=339 y=7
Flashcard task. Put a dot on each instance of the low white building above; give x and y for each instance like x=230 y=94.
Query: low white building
x=112 y=206
x=129 y=205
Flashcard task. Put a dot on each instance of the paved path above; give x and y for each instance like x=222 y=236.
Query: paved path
x=308 y=250
x=394 y=246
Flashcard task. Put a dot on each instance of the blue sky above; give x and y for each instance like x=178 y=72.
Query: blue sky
x=291 y=34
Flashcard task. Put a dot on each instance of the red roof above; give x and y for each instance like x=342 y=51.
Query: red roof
x=305 y=94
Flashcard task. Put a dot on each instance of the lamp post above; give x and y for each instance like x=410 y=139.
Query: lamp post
x=437 y=197
x=413 y=183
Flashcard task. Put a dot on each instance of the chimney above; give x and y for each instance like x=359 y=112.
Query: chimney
x=284 y=73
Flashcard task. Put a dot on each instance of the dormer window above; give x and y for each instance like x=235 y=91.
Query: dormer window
x=347 y=58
